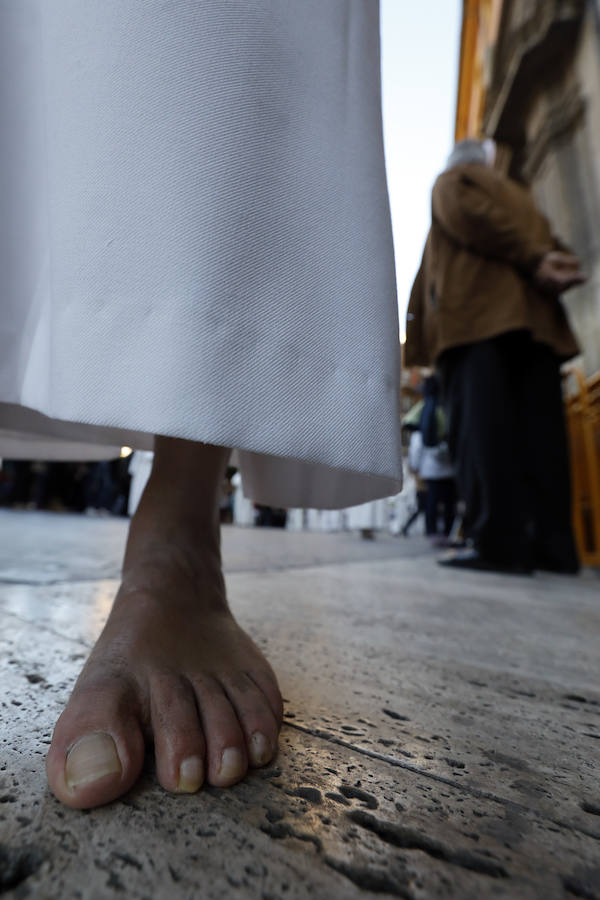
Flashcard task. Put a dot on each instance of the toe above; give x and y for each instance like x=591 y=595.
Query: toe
x=179 y=744
x=255 y=716
x=227 y=760
x=97 y=748
x=264 y=679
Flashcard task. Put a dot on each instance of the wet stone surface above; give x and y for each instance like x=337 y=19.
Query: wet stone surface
x=440 y=738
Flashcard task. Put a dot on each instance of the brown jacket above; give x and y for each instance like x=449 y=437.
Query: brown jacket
x=476 y=276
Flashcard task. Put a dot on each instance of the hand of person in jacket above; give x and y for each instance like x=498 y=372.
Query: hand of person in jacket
x=558 y=271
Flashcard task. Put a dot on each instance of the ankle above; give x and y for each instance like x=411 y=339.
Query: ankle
x=194 y=554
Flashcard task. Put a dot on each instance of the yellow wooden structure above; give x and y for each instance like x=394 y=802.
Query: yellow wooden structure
x=583 y=421
x=480 y=26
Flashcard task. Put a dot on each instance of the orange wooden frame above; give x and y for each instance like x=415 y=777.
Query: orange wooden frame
x=583 y=421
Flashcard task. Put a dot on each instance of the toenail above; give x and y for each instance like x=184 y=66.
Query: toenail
x=91 y=758
x=260 y=749
x=191 y=775
x=232 y=764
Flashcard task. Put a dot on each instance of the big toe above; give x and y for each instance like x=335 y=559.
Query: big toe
x=97 y=752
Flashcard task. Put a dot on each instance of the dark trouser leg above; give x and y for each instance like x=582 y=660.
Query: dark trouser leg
x=447 y=497
x=412 y=518
x=415 y=515
x=546 y=461
x=420 y=510
x=481 y=400
x=431 y=507
x=441 y=492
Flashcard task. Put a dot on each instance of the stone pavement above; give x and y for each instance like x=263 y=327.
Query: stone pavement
x=441 y=738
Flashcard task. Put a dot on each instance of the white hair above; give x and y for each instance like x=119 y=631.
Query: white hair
x=468 y=151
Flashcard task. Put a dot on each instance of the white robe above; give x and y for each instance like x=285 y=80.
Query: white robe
x=198 y=239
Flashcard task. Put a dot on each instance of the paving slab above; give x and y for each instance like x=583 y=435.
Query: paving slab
x=324 y=820
x=441 y=735
x=46 y=548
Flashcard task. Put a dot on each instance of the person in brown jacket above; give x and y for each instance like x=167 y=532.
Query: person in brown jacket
x=485 y=309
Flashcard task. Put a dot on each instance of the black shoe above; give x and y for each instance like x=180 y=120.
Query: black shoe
x=472 y=559
x=546 y=565
x=556 y=554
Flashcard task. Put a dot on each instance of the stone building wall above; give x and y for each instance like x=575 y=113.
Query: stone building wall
x=544 y=108
x=566 y=178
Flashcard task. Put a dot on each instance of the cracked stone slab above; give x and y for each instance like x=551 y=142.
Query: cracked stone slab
x=323 y=820
x=503 y=707
x=440 y=740
x=509 y=713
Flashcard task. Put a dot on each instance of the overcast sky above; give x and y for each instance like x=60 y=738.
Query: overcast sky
x=420 y=49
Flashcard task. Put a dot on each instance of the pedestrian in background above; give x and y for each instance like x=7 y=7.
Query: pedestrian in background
x=436 y=468
x=414 y=463
x=485 y=308
x=434 y=471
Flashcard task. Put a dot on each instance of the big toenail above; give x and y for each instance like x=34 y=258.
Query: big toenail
x=260 y=749
x=191 y=775
x=91 y=758
x=232 y=763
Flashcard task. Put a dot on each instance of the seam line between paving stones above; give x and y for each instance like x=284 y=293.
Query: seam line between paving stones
x=441 y=779
x=43 y=627
x=10 y=582
x=250 y=571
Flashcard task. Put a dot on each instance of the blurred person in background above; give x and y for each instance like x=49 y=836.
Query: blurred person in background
x=485 y=308
x=435 y=466
x=414 y=462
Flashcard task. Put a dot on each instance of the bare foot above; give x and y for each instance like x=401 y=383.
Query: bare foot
x=171 y=664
